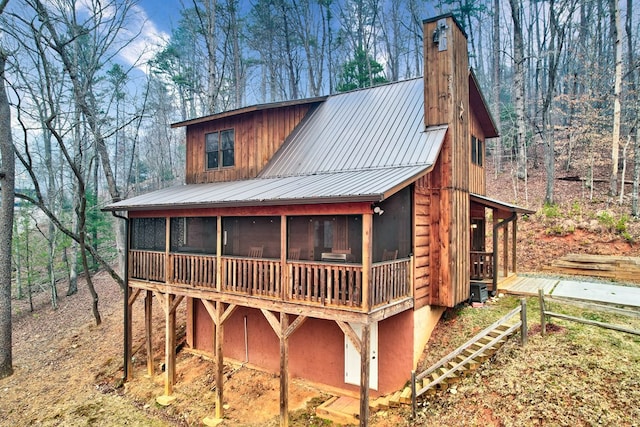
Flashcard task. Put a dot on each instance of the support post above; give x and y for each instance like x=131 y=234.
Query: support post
x=170 y=346
x=543 y=318
x=148 y=322
x=505 y=254
x=284 y=370
x=367 y=248
x=128 y=331
x=219 y=254
x=514 y=239
x=523 y=319
x=364 y=374
x=219 y=360
x=284 y=271
x=414 y=398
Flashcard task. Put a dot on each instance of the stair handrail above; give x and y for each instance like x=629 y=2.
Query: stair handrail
x=519 y=324
x=476 y=338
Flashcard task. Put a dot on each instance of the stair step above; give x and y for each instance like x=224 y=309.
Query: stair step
x=405 y=396
x=394 y=400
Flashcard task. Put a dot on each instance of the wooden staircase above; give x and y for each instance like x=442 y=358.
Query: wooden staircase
x=441 y=376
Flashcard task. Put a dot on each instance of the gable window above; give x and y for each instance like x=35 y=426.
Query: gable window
x=477 y=151
x=219 y=149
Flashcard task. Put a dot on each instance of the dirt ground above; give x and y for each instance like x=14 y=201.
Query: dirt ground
x=68 y=370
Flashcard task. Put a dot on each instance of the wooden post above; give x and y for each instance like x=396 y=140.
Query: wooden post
x=543 y=319
x=514 y=239
x=523 y=319
x=284 y=272
x=364 y=374
x=219 y=340
x=505 y=253
x=367 y=248
x=219 y=254
x=148 y=323
x=170 y=345
x=414 y=398
x=128 y=331
x=284 y=370
x=168 y=270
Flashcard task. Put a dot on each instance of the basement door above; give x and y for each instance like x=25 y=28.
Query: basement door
x=352 y=358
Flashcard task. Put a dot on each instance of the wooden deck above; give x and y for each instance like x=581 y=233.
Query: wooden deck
x=528 y=286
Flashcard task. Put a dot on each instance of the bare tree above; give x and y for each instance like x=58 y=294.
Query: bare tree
x=7 y=188
x=617 y=87
x=518 y=87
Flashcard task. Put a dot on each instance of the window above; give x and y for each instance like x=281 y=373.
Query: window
x=477 y=151
x=219 y=149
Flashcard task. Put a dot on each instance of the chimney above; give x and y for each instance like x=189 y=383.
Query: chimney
x=446 y=73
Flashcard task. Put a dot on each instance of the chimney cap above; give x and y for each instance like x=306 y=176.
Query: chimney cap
x=444 y=16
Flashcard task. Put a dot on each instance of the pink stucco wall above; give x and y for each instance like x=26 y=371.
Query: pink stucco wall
x=316 y=349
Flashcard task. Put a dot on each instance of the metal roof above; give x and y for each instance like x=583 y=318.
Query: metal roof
x=498 y=204
x=358 y=186
x=357 y=146
x=378 y=127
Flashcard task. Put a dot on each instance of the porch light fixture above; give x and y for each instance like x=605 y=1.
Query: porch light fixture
x=378 y=210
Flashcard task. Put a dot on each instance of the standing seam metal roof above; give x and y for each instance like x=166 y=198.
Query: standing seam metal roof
x=356 y=146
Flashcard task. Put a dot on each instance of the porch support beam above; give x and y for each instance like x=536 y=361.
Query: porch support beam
x=219 y=253
x=351 y=334
x=128 y=330
x=148 y=322
x=367 y=248
x=284 y=271
x=170 y=345
x=505 y=252
x=219 y=315
x=514 y=236
x=283 y=331
x=365 y=346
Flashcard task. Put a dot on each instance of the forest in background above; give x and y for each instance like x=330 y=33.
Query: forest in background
x=91 y=99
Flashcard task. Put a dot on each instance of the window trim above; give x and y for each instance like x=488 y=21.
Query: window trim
x=477 y=151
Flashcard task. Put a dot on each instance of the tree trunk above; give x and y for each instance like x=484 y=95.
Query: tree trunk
x=496 y=83
x=635 y=132
x=7 y=196
x=615 y=143
x=518 y=83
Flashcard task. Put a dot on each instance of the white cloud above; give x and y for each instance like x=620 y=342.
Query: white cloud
x=149 y=39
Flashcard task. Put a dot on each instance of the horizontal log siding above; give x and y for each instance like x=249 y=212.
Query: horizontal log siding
x=421 y=239
x=258 y=135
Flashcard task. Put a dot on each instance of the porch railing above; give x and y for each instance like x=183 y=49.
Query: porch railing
x=193 y=270
x=147 y=265
x=253 y=276
x=481 y=265
x=326 y=283
x=312 y=282
x=390 y=280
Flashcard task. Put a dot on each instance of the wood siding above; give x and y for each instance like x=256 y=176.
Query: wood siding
x=422 y=250
x=447 y=102
x=258 y=135
x=477 y=174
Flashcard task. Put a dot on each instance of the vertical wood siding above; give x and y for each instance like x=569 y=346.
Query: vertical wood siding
x=477 y=174
x=258 y=135
x=447 y=102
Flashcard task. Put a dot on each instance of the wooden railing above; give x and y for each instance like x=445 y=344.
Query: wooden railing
x=481 y=265
x=326 y=283
x=147 y=265
x=313 y=282
x=390 y=281
x=193 y=270
x=253 y=276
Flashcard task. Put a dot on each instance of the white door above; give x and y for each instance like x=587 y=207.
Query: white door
x=352 y=357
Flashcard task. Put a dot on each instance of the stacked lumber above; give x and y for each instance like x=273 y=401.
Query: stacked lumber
x=619 y=268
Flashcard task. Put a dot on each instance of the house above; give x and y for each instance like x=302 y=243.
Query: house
x=323 y=238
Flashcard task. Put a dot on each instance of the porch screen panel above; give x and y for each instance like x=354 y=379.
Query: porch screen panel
x=148 y=234
x=392 y=229
x=194 y=235
x=311 y=236
x=241 y=235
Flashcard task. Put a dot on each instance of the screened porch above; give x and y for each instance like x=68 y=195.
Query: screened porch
x=358 y=262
